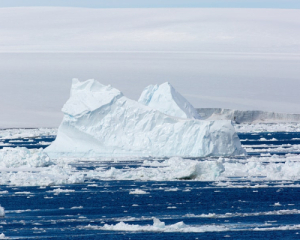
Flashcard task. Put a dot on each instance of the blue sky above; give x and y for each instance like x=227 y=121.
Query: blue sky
x=294 y=4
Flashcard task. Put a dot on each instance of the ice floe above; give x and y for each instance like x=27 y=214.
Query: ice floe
x=32 y=167
x=251 y=214
x=17 y=133
x=138 y=191
x=59 y=190
x=175 y=168
x=23 y=157
x=159 y=226
x=267 y=127
x=222 y=169
x=100 y=121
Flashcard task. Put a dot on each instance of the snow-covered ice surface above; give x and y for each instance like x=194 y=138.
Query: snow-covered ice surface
x=167 y=100
x=100 y=121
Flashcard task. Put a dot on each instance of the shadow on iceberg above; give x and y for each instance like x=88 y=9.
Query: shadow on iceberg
x=100 y=121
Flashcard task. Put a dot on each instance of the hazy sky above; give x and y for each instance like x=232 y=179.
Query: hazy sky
x=229 y=58
x=294 y=4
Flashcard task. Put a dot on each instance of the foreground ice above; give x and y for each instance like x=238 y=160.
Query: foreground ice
x=100 y=121
x=25 y=167
x=159 y=226
x=166 y=99
x=253 y=169
x=32 y=167
x=23 y=157
x=175 y=168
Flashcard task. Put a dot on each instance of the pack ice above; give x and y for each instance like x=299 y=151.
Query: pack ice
x=100 y=121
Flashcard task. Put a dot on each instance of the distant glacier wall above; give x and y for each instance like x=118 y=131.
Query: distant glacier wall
x=250 y=116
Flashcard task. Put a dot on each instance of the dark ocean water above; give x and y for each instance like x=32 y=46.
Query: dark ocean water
x=209 y=210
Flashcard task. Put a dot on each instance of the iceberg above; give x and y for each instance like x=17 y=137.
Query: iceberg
x=167 y=100
x=100 y=121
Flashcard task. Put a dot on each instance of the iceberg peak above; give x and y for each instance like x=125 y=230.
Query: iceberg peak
x=167 y=100
x=87 y=96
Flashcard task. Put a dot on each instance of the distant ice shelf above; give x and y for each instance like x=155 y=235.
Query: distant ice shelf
x=249 y=116
x=100 y=121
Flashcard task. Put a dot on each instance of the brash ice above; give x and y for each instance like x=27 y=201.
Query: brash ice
x=100 y=121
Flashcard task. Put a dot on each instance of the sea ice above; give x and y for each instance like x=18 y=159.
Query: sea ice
x=159 y=226
x=23 y=157
x=100 y=121
x=267 y=127
x=18 y=133
x=222 y=169
x=175 y=168
x=166 y=99
x=138 y=191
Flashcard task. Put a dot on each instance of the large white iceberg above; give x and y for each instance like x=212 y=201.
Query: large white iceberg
x=100 y=121
x=167 y=100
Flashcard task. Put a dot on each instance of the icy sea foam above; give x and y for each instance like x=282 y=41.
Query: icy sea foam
x=100 y=121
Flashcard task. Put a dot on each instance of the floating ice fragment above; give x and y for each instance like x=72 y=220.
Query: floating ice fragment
x=77 y=207
x=159 y=226
x=138 y=191
x=23 y=157
x=25 y=193
x=59 y=190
